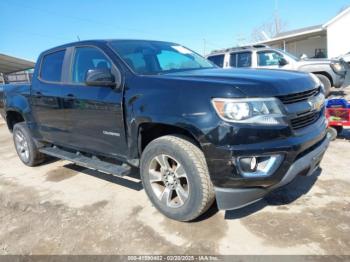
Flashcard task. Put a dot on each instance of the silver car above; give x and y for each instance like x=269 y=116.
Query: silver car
x=330 y=72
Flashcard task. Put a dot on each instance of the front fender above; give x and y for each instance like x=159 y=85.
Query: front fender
x=317 y=68
x=190 y=126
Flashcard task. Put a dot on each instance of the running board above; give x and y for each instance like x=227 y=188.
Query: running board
x=88 y=162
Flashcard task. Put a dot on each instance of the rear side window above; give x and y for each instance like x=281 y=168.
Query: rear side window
x=51 y=66
x=217 y=60
x=243 y=59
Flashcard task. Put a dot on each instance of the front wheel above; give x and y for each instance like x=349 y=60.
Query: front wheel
x=326 y=83
x=176 y=178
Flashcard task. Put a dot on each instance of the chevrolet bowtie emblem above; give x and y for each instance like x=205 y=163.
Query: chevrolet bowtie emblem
x=316 y=103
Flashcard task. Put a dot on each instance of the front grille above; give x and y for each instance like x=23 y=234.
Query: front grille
x=298 y=97
x=306 y=119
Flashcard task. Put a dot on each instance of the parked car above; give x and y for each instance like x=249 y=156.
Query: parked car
x=195 y=132
x=330 y=72
x=346 y=58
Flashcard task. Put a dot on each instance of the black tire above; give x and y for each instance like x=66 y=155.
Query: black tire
x=180 y=152
x=326 y=83
x=31 y=155
x=339 y=129
x=333 y=133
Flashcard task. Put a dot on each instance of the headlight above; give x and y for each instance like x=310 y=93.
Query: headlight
x=338 y=67
x=249 y=110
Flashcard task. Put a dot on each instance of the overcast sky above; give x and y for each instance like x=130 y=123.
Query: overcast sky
x=29 y=27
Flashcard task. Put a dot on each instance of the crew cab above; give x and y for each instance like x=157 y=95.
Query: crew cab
x=330 y=72
x=195 y=132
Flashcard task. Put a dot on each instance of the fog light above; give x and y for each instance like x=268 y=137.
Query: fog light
x=259 y=166
x=248 y=164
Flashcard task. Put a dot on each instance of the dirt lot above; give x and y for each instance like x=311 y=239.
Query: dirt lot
x=59 y=208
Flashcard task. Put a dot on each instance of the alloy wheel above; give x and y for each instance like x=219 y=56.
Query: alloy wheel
x=169 y=181
x=22 y=146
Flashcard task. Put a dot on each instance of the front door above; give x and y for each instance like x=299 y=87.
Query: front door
x=94 y=113
x=269 y=59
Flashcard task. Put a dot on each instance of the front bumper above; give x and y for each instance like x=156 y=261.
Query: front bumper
x=234 y=198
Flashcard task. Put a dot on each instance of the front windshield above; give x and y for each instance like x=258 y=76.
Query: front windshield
x=152 y=57
x=290 y=55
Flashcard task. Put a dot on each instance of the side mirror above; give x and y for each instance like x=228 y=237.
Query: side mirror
x=282 y=62
x=100 y=77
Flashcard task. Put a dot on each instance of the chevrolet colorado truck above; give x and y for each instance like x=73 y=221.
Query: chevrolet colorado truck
x=195 y=132
x=331 y=72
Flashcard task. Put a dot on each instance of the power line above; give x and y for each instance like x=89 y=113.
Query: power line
x=93 y=21
x=83 y=19
x=31 y=33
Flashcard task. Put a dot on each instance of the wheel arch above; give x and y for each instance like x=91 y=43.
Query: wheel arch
x=326 y=75
x=14 y=116
x=147 y=132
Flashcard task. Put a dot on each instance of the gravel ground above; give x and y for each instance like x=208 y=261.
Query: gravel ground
x=59 y=208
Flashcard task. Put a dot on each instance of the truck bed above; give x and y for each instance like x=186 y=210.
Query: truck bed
x=13 y=91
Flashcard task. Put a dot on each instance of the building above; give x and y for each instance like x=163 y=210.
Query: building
x=15 y=70
x=331 y=39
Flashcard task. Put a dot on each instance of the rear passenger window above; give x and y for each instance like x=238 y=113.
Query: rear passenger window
x=51 y=66
x=217 y=60
x=243 y=59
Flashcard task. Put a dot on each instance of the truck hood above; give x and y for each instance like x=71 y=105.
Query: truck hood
x=251 y=82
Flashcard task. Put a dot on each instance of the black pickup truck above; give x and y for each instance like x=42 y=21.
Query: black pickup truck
x=196 y=132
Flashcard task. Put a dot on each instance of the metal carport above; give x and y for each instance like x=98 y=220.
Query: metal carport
x=10 y=64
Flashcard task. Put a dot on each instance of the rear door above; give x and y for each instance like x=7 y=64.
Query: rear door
x=46 y=98
x=94 y=113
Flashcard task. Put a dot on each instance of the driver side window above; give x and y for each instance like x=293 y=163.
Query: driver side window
x=268 y=58
x=87 y=58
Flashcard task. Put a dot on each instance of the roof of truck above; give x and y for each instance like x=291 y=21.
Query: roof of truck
x=94 y=41
x=239 y=48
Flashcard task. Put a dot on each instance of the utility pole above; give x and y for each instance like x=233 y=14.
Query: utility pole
x=277 y=18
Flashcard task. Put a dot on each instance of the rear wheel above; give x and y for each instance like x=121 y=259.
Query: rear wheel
x=25 y=146
x=326 y=83
x=176 y=178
